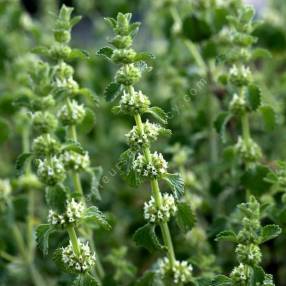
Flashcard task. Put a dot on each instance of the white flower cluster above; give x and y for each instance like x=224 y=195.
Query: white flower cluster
x=45 y=145
x=67 y=83
x=72 y=114
x=5 y=188
x=151 y=131
x=181 y=272
x=156 y=168
x=249 y=254
x=74 y=211
x=75 y=161
x=80 y=263
x=237 y=105
x=51 y=171
x=249 y=151
x=155 y=214
x=240 y=274
x=240 y=75
x=134 y=103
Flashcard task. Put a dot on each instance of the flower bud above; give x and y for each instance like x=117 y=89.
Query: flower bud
x=28 y=182
x=154 y=169
x=45 y=145
x=136 y=140
x=60 y=52
x=237 y=105
x=44 y=122
x=240 y=76
x=74 y=212
x=63 y=71
x=249 y=151
x=249 y=254
x=135 y=103
x=51 y=172
x=43 y=103
x=240 y=275
x=72 y=113
x=5 y=191
x=180 y=273
x=155 y=214
x=121 y=42
x=128 y=75
x=82 y=263
x=123 y=56
x=62 y=36
x=74 y=161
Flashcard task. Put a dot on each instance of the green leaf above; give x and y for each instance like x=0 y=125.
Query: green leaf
x=56 y=198
x=75 y=20
x=269 y=232
x=253 y=97
x=258 y=276
x=57 y=258
x=200 y=33
x=176 y=182
x=112 y=91
x=126 y=168
x=4 y=130
x=158 y=113
x=221 y=123
x=110 y=21
x=226 y=235
x=143 y=67
x=259 y=53
x=105 y=52
x=269 y=117
x=78 y=54
x=43 y=232
x=85 y=280
x=71 y=145
x=42 y=51
x=21 y=162
x=144 y=56
x=88 y=122
x=96 y=174
x=185 y=217
x=146 y=237
x=94 y=217
x=253 y=179
x=133 y=28
x=150 y=278
x=221 y=280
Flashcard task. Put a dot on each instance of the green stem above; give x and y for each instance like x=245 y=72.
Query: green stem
x=196 y=55
x=74 y=240
x=19 y=242
x=30 y=223
x=36 y=276
x=157 y=196
x=245 y=127
x=78 y=189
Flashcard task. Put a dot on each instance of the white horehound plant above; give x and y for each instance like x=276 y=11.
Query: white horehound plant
x=139 y=163
x=241 y=81
x=56 y=160
x=248 y=253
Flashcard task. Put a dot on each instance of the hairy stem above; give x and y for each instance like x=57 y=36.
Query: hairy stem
x=78 y=189
x=245 y=127
x=157 y=195
x=74 y=240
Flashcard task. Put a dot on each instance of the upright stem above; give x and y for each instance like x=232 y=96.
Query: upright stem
x=245 y=127
x=74 y=240
x=78 y=189
x=157 y=195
